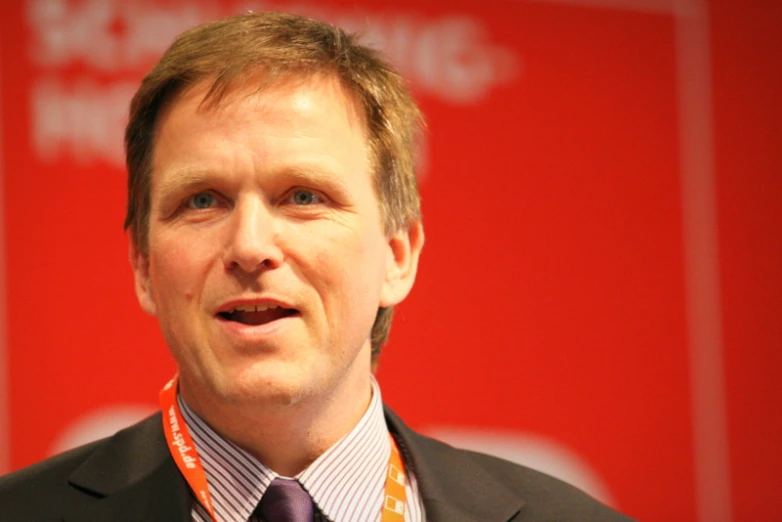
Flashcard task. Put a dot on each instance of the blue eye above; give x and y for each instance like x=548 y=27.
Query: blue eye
x=305 y=197
x=201 y=200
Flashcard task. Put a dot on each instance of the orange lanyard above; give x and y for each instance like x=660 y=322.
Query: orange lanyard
x=183 y=450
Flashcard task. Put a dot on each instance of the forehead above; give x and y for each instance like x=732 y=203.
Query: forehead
x=316 y=110
x=214 y=95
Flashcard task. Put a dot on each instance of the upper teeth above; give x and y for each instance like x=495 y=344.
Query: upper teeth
x=254 y=308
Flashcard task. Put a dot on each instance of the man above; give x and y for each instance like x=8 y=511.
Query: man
x=275 y=223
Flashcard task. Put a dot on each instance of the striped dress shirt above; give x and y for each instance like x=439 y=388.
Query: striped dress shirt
x=346 y=483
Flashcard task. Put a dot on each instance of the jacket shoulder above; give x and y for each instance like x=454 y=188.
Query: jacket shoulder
x=546 y=497
x=470 y=485
x=41 y=491
x=37 y=491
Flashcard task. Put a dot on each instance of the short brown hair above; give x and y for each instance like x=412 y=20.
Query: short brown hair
x=228 y=52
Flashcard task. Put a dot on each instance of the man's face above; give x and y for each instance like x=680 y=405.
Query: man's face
x=267 y=259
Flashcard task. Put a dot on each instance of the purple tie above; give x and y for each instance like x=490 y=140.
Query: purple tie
x=286 y=501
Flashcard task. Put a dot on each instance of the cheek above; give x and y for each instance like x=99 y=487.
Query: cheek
x=327 y=270
x=346 y=250
x=177 y=272
x=347 y=266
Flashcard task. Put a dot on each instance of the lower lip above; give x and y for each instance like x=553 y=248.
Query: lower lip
x=257 y=333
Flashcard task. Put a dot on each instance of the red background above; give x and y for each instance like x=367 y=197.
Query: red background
x=555 y=292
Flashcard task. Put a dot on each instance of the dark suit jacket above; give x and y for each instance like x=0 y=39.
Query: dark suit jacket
x=132 y=477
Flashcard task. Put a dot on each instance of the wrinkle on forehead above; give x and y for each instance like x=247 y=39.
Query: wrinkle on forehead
x=294 y=86
x=288 y=84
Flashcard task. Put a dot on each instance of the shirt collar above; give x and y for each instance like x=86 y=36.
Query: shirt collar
x=345 y=482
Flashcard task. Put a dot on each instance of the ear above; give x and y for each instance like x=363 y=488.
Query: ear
x=140 y=263
x=404 y=250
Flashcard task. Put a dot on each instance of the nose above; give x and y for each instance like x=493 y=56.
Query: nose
x=252 y=243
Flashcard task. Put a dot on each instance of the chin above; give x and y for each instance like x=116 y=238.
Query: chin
x=264 y=387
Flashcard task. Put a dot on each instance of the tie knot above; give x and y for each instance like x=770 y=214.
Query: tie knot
x=286 y=501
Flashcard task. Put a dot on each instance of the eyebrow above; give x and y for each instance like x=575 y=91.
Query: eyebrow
x=187 y=179
x=183 y=179
x=315 y=176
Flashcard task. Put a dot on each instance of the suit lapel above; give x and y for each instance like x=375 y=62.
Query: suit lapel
x=453 y=486
x=131 y=478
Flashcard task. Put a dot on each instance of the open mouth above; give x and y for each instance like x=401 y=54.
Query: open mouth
x=254 y=315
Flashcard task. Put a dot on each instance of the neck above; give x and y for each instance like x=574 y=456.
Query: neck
x=288 y=437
